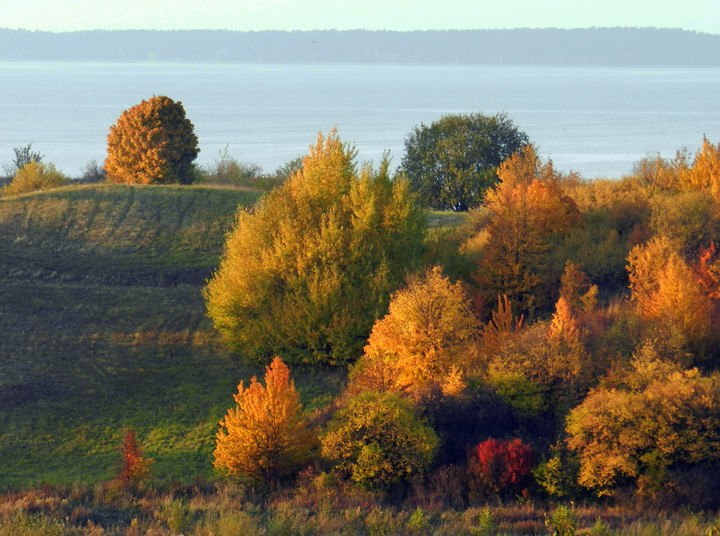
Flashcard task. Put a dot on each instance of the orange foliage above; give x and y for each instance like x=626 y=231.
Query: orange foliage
x=134 y=467
x=152 y=142
x=425 y=340
x=265 y=437
x=526 y=208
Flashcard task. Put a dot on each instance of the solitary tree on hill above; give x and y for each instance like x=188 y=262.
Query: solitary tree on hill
x=152 y=143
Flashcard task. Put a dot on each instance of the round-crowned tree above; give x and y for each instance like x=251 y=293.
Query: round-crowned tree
x=452 y=163
x=152 y=143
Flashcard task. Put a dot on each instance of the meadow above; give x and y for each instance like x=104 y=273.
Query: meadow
x=104 y=328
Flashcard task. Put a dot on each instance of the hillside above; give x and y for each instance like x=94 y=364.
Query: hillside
x=103 y=326
x=549 y=46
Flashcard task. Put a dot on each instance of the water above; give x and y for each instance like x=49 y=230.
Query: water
x=596 y=121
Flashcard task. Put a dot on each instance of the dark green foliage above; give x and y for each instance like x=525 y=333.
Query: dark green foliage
x=452 y=162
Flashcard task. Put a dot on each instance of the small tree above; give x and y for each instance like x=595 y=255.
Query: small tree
x=152 y=142
x=426 y=340
x=34 y=176
x=134 y=468
x=453 y=162
x=265 y=437
x=24 y=155
x=377 y=440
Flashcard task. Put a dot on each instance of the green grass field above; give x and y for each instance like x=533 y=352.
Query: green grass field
x=102 y=326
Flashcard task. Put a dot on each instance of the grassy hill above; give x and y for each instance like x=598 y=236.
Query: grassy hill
x=102 y=326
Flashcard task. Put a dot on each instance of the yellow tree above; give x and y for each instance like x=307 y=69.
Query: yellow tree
x=667 y=423
x=265 y=437
x=308 y=271
x=428 y=338
x=152 y=143
x=34 y=176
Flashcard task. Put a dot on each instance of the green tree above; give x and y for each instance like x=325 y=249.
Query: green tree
x=34 y=176
x=152 y=143
x=453 y=162
x=308 y=271
x=377 y=440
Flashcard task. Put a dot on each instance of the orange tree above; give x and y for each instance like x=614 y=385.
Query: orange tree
x=152 y=143
x=265 y=436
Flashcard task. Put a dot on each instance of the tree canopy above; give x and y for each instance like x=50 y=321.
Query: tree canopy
x=308 y=271
x=453 y=162
x=152 y=143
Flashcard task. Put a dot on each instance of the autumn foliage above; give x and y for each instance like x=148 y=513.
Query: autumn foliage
x=265 y=438
x=134 y=467
x=152 y=143
x=308 y=271
x=502 y=465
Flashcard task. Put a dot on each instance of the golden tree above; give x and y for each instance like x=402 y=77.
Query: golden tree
x=667 y=423
x=152 y=143
x=265 y=437
x=308 y=271
x=427 y=339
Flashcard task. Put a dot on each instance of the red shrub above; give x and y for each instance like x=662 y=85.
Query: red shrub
x=502 y=464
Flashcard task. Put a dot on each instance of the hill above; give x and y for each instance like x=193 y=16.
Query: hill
x=102 y=326
x=549 y=46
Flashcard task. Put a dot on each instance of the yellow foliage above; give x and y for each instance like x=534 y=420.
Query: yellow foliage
x=704 y=174
x=308 y=271
x=671 y=420
x=265 y=436
x=427 y=339
x=34 y=176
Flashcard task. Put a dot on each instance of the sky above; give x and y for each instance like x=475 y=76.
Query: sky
x=72 y=15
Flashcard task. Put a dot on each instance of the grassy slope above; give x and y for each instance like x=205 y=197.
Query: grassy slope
x=102 y=326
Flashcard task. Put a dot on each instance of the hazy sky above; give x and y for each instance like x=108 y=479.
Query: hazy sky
x=64 y=15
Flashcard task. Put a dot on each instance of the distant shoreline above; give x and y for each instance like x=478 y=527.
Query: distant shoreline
x=591 y=47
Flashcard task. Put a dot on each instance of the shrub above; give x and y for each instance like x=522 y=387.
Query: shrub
x=502 y=465
x=34 y=176
x=377 y=440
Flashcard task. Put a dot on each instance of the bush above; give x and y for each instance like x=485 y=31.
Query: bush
x=502 y=465
x=377 y=440
x=34 y=176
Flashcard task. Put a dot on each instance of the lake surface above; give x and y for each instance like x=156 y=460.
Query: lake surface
x=597 y=121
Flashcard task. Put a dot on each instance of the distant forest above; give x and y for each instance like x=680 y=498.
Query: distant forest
x=592 y=46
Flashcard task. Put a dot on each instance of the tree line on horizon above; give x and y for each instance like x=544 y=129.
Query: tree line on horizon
x=548 y=46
